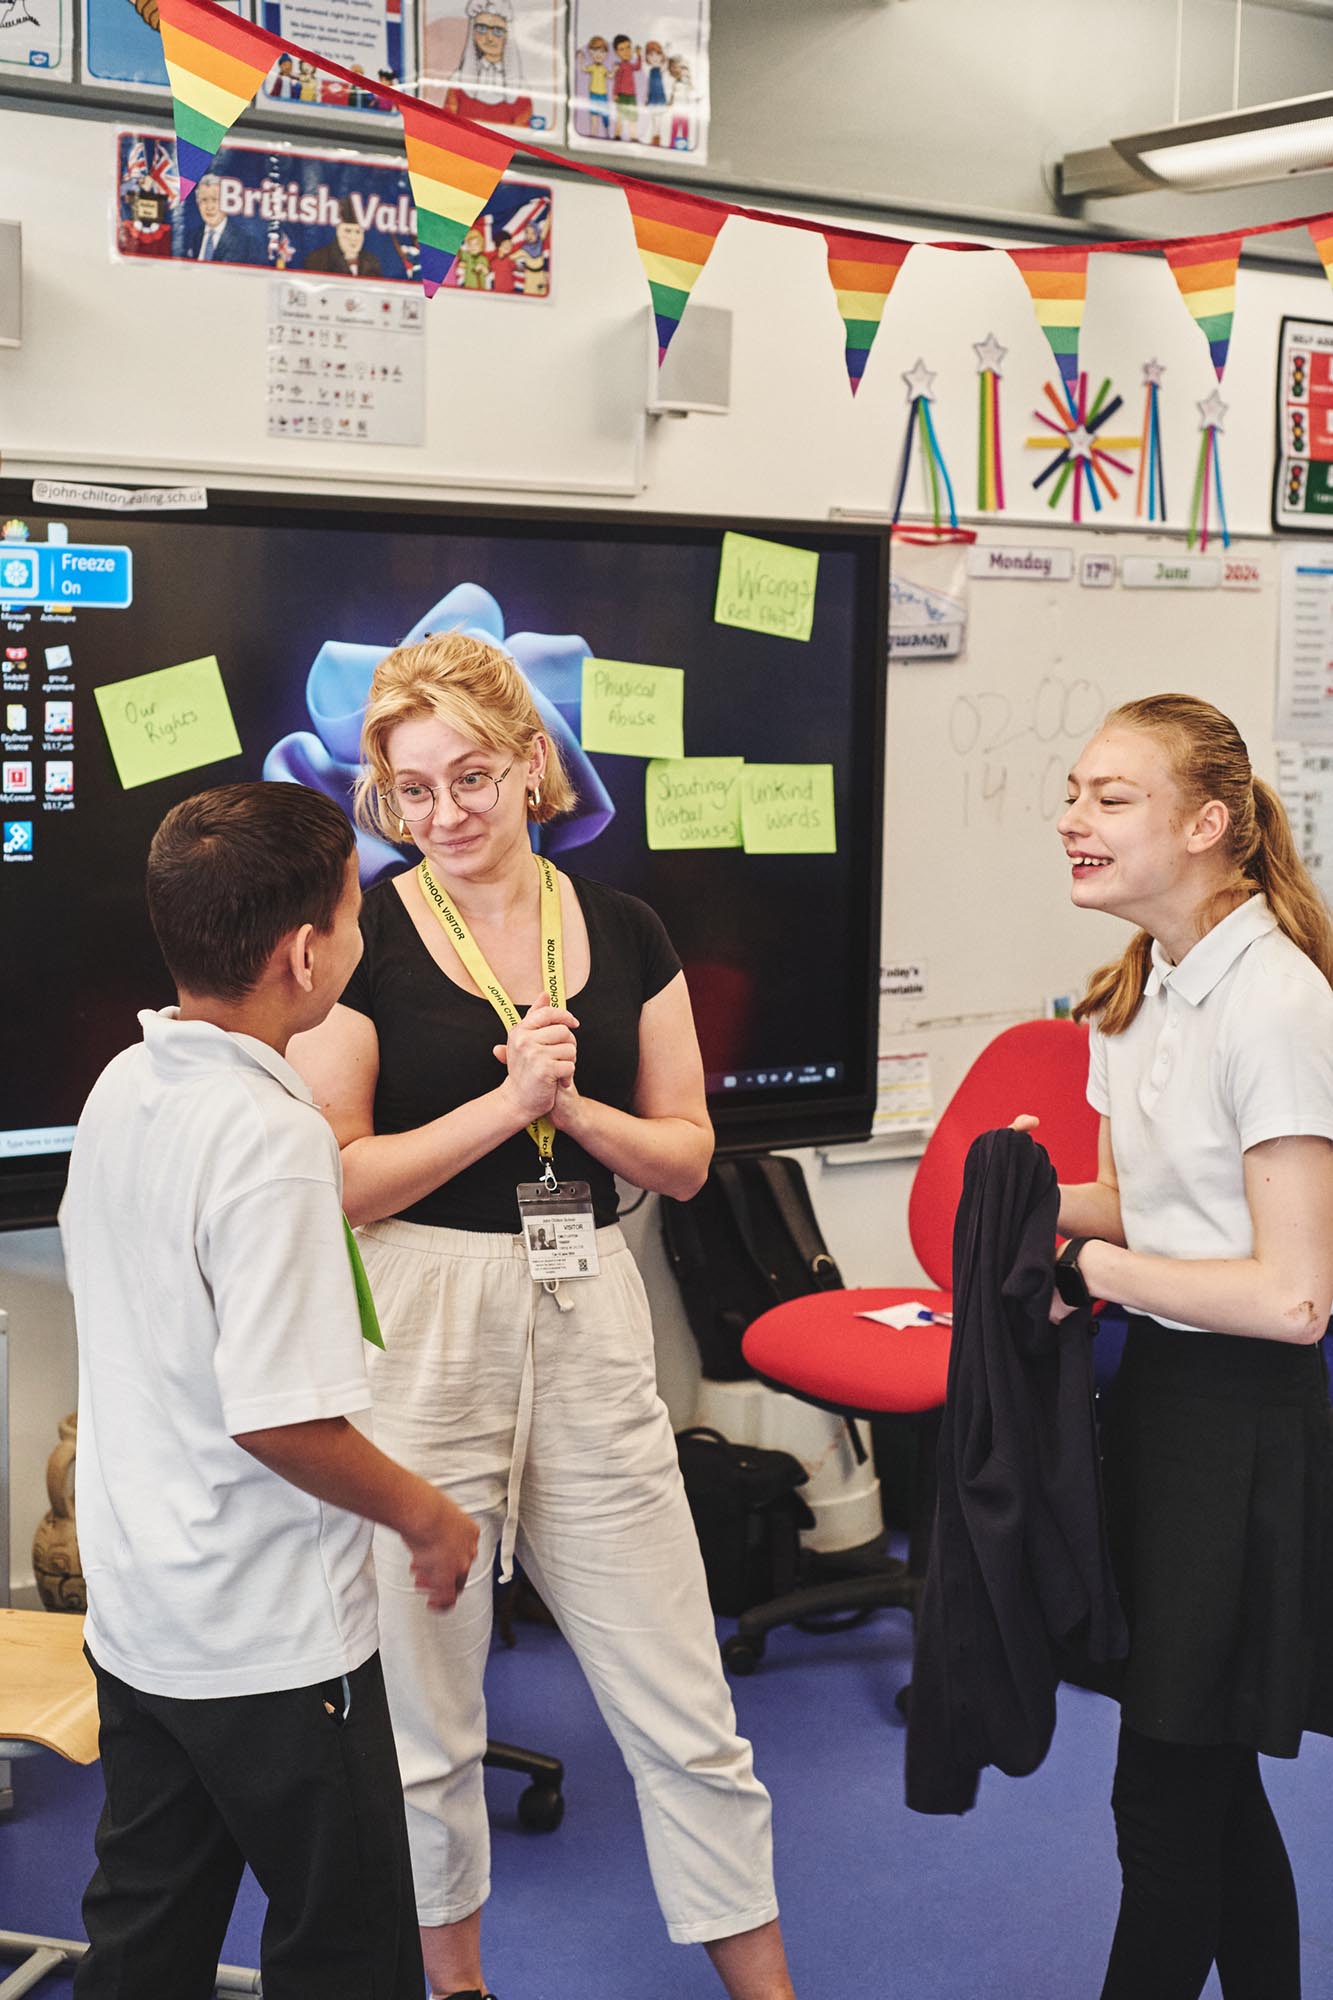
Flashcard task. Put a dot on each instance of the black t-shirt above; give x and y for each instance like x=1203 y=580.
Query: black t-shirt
x=436 y=1040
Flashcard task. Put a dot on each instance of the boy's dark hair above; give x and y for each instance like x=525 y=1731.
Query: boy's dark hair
x=616 y=40
x=232 y=871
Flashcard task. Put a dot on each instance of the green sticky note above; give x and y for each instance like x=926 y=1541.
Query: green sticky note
x=633 y=710
x=693 y=802
x=788 y=809
x=170 y=721
x=766 y=587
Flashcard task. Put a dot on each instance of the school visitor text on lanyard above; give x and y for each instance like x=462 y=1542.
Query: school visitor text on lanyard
x=559 y=1232
x=542 y=1130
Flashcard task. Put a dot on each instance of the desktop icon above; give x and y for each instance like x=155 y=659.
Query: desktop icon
x=60 y=718
x=16 y=656
x=18 y=775
x=16 y=718
x=59 y=659
x=59 y=779
x=18 y=839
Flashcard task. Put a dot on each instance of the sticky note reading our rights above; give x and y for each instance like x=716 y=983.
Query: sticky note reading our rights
x=788 y=809
x=766 y=587
x=173 y=720
x=693 y=802
x=635 y=711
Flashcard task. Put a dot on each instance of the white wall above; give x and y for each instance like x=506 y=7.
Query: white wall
x=145 y=371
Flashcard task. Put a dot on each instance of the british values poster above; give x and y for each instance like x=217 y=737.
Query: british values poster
x=1303 y=477
x=335 y=215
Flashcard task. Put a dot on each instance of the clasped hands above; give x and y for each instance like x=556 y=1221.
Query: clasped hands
x=539 y=1056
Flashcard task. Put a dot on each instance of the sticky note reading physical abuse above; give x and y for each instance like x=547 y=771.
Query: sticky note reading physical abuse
x=766 y=587
x=633 y=710
x=173 y=720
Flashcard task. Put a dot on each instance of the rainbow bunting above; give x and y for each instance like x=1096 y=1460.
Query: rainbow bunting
x=863 y=271
x=1206 y=275
x=454 y=169
x=675 y=235
x=1321 y=235
x=1058 y=282
x=215 y=64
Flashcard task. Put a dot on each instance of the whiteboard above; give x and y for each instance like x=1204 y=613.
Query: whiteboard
x=977 y=753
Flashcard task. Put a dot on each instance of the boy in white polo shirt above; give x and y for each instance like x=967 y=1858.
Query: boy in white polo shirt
x=225 y=1503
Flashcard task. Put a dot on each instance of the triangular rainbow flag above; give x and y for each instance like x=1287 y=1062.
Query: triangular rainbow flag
x=1321 y=235
x=863 y=271
x=454 y=169
x=675 y=235
x=1058 y=281
x=215 y=64
x=1206 y=274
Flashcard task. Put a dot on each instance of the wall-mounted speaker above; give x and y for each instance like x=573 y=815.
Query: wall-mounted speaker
x=11 y=284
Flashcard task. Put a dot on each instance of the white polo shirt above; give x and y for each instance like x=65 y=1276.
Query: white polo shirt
x=1231 y=1047
x=213 y=1295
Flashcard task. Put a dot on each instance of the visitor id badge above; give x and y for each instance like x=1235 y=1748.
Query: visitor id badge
x=559 y=1233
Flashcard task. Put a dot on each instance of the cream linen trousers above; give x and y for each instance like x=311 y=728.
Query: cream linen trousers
x=536 y=1409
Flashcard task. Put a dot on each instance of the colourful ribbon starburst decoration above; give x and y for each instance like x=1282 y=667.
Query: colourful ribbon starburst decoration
x=1081 y=453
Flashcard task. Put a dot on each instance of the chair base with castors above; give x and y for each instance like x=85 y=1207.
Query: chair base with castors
x=542 y=1806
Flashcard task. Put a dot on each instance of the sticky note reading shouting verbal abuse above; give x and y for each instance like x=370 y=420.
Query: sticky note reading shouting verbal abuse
x=766 y=587
x=632 y=710
x=788 y=809
x=693 y=802
x=173 y=720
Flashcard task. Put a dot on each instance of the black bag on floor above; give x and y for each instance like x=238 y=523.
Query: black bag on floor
x=748 y=1514
x=747 y=1241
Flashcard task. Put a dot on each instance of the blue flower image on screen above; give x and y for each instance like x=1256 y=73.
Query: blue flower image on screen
x=327 y=756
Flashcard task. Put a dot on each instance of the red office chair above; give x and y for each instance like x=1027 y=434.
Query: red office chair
x=817 y=1348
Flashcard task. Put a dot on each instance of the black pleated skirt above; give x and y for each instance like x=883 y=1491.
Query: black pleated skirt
x=1218 y=1467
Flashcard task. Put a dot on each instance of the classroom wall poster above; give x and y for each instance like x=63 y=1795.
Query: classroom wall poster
x=345 y=364
x=638 y=76
x=507 y=251
x=35 y=37
x=122 y=45
x=375 y=38
x=339 y=215
x=1303 y=474
x=500 y=62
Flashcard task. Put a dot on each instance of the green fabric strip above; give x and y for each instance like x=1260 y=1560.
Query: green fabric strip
x=365 y=1304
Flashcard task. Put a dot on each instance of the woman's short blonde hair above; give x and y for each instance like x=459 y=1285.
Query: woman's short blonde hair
x=477 y=690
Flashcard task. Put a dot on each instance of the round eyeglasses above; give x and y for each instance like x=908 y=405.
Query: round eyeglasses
x=471 y=791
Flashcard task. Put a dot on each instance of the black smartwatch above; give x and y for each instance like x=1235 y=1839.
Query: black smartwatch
x=1070 y=1282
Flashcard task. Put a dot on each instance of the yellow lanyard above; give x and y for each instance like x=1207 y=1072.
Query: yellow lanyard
x=541 y=1131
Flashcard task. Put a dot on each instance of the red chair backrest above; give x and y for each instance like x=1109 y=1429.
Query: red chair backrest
x=1039 y=1066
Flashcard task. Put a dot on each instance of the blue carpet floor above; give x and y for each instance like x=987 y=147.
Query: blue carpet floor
x=1016 y=1899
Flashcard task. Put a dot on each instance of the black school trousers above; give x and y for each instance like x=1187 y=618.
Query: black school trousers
x=303 y=1785
x=1206 y=1876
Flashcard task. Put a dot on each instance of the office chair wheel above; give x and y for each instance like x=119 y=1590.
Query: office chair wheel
x=741 y=1655
x=541 y=1808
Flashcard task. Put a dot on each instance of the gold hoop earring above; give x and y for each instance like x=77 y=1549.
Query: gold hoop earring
x=535 y=797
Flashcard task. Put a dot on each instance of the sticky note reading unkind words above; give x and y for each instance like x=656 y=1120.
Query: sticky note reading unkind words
x=173 y=720
x=693 y=802
x=788 y=809
x=766 y=587
x=633 y=710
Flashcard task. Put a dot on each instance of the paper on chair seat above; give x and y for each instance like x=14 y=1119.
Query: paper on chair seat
x=911 y=1313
